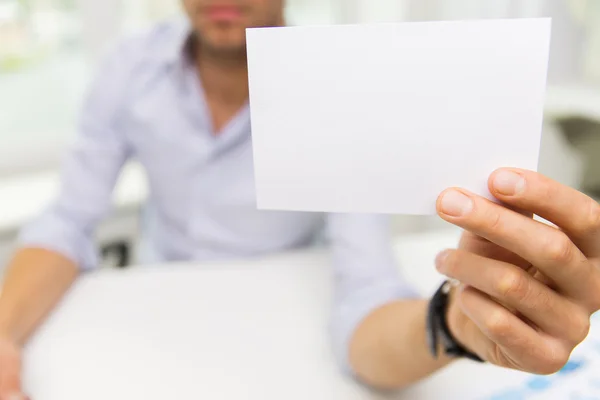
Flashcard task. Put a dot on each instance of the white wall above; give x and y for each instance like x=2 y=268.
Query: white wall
x=362 y=11
x=575 y=51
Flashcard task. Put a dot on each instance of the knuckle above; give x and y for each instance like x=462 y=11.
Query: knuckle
x=514 y=285
x=581 y=327
x=594 y=217
x=451 y=262
x=497 y=356
x=493 y=220
x=559 y=248
x=595 y=299
x=498 y=324
x=553 y=360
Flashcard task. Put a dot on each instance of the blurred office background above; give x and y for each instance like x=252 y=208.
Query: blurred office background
x=49 y=50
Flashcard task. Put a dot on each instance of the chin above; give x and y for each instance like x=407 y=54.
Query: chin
x=224 y=39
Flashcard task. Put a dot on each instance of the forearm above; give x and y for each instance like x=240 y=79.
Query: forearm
x=34 y=282
x=389 y=349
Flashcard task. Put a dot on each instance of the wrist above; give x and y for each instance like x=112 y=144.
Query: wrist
x=456 y=318
x=7 y=338
x=7 y=333
x=444 y=325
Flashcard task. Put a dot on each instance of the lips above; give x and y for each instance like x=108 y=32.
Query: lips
x=224 y=13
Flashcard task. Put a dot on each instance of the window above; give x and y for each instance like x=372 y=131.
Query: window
x=48 y=50
x=41 y=72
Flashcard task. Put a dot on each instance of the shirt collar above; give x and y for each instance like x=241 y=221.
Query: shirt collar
x=175 y=49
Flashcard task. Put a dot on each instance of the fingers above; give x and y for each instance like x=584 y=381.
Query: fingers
x=547 y=248
x=481 y=246
x=574 y=212
x=502 y=338
x=513 y=287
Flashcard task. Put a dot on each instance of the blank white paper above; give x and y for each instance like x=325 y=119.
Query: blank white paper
x=382 y=118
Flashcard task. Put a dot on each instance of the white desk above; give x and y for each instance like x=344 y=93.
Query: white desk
x=237 y=330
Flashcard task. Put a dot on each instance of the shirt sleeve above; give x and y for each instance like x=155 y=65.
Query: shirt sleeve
x=366 y=275
x=90 y=170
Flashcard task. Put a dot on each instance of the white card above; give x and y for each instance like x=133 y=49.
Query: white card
x=382 y=118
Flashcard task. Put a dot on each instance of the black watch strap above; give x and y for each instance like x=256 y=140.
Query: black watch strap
x=437 y=327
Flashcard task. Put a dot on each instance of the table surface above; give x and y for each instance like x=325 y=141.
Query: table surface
x=253 y=329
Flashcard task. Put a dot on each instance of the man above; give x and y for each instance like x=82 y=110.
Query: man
x=176 y=99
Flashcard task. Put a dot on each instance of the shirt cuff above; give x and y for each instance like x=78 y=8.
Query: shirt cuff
x=53 y=233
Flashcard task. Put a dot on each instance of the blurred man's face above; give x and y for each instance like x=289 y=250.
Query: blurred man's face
x=221 y=24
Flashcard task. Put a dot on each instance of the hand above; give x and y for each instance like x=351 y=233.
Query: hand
x=528 y=289
x=10 y=371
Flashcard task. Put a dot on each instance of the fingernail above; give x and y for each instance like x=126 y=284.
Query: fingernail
x=509 y=183
x=439 y=260
x=456 y=204
x=15 y=396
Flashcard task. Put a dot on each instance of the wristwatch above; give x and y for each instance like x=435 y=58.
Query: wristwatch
x=437 y=327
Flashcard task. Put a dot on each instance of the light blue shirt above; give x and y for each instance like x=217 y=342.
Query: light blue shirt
x=147 y=104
